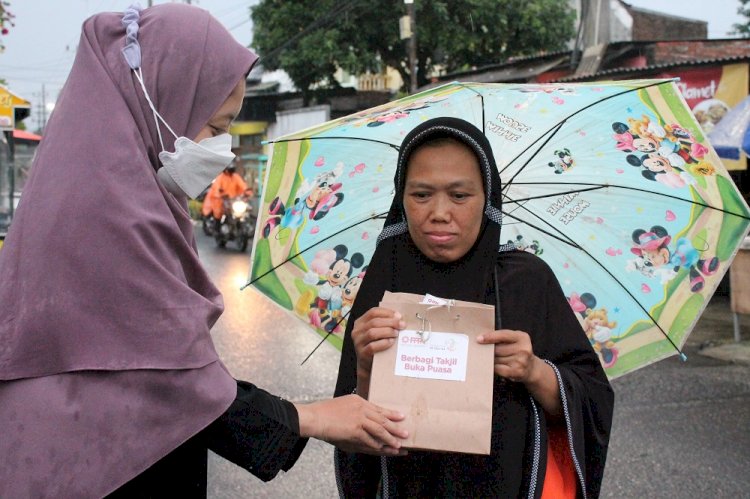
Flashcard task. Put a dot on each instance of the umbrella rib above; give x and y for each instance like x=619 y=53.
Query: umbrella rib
x=481 y=98
x=373 y=217
x=560 y=236
x=556 y=194
x=556 y=127
x=278 y=141
x=328 y=333
x=626 y=187
x=624 y=288
x=553 y=131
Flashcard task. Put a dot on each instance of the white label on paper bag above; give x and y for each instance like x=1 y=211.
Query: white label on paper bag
x=428 y=299
x=443 y=356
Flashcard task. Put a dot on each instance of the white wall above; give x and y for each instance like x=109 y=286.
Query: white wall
x=298 y=119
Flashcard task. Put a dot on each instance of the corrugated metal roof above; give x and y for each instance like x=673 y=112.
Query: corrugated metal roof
x=510 y=71
x=653 y=67
x=510 y=62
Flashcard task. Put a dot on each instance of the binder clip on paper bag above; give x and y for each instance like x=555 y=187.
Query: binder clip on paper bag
x=426 y=327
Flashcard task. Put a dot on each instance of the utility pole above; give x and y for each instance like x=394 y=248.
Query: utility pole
x=408 y=30
x=41 y=109
x=412 y=46
x=43 y=124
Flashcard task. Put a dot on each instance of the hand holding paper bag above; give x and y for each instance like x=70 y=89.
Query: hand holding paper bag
x=436 y=373
x=515 y=361
x=375 y=331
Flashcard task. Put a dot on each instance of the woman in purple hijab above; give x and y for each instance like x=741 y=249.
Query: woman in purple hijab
x=109 y=381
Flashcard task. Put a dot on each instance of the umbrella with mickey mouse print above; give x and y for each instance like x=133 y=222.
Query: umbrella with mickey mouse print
x=613 y=184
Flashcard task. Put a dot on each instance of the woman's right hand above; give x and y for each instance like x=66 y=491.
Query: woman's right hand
x=354 y=425
x=374 y=332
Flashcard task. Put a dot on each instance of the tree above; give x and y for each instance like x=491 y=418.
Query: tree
x=311 y=39
x=6 y=19
x=743 y=29
x=282 y=40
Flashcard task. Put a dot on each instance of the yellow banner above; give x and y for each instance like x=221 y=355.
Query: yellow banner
x=8 y=104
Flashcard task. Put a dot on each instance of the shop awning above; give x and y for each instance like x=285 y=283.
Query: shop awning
x=24 y=135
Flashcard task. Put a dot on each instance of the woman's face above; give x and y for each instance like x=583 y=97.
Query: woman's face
x=220 y=122
x=444 y=200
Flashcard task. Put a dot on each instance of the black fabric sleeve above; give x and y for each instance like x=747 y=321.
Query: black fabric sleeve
x=589 y=398
x=259 y=432
x=357 y=475
x=533 y=301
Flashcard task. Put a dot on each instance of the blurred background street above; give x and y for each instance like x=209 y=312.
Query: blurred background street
x=680 y=428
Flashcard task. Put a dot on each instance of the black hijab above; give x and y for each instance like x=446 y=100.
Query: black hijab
x=398 y=265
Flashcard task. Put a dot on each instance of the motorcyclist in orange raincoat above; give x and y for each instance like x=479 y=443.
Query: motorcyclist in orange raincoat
x=227 y=184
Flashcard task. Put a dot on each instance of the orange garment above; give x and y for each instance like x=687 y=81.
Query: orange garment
x=226 y=184
x=560 y=477
x=206 y=207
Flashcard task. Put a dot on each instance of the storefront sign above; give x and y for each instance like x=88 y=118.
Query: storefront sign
x=9 y=102
x=711 y=91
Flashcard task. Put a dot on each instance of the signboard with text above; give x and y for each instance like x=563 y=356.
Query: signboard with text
x=9 y=102
x=711 y=91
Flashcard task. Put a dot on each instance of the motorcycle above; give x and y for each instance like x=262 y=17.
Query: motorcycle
x=237 y=223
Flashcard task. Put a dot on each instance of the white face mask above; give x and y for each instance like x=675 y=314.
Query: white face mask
x=192 y=166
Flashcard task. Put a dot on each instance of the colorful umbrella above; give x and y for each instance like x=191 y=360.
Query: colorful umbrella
x=613 y=184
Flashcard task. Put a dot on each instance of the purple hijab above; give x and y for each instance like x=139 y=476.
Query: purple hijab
x=106 y=361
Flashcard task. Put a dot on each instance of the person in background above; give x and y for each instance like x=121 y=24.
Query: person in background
x=228 y=184
x=552 y=406
x=109 y=380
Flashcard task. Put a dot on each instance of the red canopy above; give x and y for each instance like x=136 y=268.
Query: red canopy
x=24 y=135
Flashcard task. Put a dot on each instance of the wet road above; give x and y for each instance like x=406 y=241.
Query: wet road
x=260 y=343
x=680 y=429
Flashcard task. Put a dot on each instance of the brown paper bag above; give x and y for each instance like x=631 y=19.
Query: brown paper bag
x=441 y=379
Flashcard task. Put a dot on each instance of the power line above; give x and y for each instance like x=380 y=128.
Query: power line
x=35 y=80
x=246 y=4
x=239 y=24
x=335 y=12
x=40 y=66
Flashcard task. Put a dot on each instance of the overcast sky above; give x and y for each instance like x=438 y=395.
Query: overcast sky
x=40 y=48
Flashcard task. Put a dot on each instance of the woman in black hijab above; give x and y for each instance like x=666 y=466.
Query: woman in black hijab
x=442 y=237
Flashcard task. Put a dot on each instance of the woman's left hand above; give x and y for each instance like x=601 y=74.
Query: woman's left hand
x=515 y=361
x=514 y=356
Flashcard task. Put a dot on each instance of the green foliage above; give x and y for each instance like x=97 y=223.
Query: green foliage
x=311 y=57
x=194 y=208
x=310 y=39
x=743 y=29
x=6 y=19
